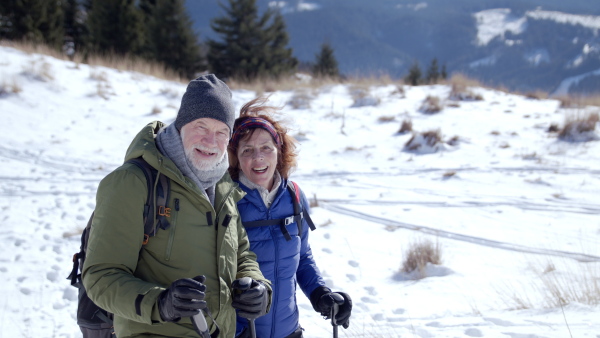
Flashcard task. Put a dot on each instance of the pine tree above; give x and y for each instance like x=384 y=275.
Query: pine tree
x=443 y=72
x=280 y=59
x=433 y=73
x=37 y=21
x=250 y=47
x=170 y=38
x=326 y=65
x=414 y=74
x=115 y=26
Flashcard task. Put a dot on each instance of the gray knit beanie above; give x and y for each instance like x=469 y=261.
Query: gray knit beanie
x=206 y=96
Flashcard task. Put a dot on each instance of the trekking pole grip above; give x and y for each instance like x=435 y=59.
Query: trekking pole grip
x=337 y=300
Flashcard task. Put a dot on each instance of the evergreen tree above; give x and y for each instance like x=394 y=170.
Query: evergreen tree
x=170 y=38
x=326 y=65
x=433 y=73
x=250 y=47
x=414 y=74
x=443 y=72
x=280 y=60
x=37 y=21
x=114 y=26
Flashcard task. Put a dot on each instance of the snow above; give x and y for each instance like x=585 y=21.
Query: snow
x=563 y=87
x=509 y=204
x=493 y=23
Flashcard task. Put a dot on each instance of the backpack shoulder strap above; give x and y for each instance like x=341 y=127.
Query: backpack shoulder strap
x=156 y=210
x=299 y=214
x=298 y=207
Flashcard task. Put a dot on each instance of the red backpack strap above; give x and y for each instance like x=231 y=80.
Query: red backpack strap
x=298 y=209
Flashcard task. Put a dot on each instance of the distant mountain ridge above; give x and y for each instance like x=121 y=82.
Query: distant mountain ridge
x=522 y=45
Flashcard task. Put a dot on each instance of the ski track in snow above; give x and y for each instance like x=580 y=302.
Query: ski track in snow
x=391 y=225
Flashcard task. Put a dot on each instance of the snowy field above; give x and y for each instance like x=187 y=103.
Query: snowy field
x=511 y=206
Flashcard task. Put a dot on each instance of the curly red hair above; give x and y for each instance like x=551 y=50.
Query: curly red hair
x=286 y=155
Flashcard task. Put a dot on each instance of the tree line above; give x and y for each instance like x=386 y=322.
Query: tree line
x=250 y=45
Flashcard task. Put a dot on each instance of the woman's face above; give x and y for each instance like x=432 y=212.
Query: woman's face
x=257 y=156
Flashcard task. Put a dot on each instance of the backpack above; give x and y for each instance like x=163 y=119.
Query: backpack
x=94 y=321
x=297 y=217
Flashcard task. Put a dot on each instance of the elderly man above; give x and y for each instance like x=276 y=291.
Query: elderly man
x=189 y=265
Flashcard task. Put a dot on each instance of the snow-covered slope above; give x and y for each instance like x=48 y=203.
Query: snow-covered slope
x=509 y=204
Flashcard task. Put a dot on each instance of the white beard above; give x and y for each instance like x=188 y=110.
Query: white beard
x=201 y=164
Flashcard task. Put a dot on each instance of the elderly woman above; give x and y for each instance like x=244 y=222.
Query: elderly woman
x=275 y=213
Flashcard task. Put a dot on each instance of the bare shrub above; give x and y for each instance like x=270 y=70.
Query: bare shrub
x=460 y=90
x=431 y=105
x=553 y=128
x=579 y=128
x=419 y=254
x=406 y=126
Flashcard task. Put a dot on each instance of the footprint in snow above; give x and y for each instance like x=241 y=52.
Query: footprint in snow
x=473 y=332
x=353 y=264
x=369 y=300
x=378 y=317
x=327 y=250
x=371 y=290
x=499 y=322
x=351 y=277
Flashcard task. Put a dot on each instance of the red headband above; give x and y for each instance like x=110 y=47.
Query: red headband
x=253 y=123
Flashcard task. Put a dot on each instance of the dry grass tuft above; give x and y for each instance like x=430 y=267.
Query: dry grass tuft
x=431 y=105
x=406 y=126
x=460 y=89
x=386 y=118
x=419 y=254
x=431 y=140
x=361 y=94
x=579 y=127
x=537 y=95
x=11 y=86
x=124 y=63
x=301 y=99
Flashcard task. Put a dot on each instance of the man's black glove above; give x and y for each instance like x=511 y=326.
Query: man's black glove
x=184 y=298
x=322 y=301
x=251 y=299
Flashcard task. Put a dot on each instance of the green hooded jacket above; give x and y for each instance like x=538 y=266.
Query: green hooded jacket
x=125 y=277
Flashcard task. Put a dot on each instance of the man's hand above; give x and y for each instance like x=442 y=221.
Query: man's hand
x=252 y=298
x=184 y=298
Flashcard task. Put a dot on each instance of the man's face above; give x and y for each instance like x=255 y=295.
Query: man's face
x=204 y=142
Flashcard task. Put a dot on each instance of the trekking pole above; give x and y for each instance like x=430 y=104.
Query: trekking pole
x=244 y=284
x=200 y=325
x=337 y=299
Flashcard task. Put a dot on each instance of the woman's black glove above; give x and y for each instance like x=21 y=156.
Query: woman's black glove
x=184 y=298
x=322 y=300
x=251 y=298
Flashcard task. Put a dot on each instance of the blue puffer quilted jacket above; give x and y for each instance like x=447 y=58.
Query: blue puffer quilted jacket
x=284 y=263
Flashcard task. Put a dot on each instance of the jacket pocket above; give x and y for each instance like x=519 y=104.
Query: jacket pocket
x=172 y=229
